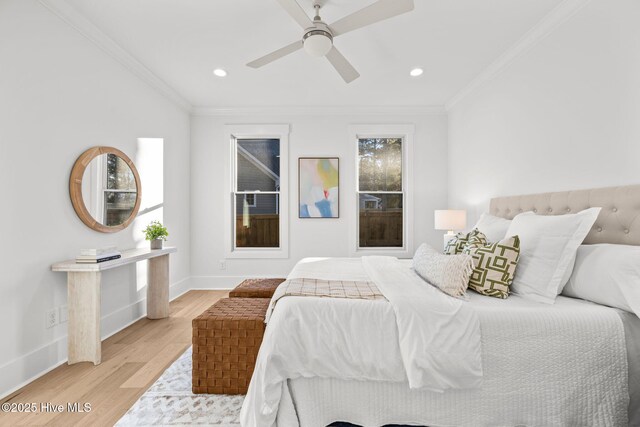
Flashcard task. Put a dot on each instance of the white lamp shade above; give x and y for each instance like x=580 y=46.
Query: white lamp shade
x=450 y=219
x=317 y=45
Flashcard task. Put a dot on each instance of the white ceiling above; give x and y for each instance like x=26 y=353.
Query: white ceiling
x=182 y=41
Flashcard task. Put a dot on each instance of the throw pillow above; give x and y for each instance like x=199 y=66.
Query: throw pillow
x=449 y=273
x=474 y=238
x=494 y=266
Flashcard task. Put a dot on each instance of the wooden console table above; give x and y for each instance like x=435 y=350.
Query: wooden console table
x=83 y=297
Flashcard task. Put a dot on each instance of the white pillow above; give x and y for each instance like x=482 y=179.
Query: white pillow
x=493 y=227
x=548 y=246
x=607 y=274
x=449 y=273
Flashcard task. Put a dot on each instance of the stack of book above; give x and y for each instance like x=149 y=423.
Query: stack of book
x=93 y=256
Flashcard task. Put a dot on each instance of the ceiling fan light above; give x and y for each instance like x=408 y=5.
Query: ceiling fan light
x=317 y=43
x=219 y=72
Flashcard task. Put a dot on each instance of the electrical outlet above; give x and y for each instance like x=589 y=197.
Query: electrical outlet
x=51 y=318
x=223 y=264
x=63 y=315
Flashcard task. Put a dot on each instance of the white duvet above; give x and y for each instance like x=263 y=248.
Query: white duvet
x=434 y=343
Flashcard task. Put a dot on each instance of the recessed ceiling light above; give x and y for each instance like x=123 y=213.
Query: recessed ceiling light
x=416 y=72
x=220 y=72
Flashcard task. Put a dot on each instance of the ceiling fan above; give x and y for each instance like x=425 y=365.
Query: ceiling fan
x=318 y=37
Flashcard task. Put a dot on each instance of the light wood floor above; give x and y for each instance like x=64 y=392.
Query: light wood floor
x=132 y=360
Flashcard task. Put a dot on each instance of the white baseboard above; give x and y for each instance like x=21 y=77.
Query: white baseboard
x=21 y=371
x=25 y=369
x=180 y=288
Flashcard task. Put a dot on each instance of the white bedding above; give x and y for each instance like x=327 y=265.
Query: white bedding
x=561 y=364
x=553 y=365
x=429 y=340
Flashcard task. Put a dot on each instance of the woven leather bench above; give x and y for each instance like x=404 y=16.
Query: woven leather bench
x=256 y=288
x=226 y=340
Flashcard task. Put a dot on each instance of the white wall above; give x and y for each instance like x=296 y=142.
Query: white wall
x=564 y=115
x=59 y=95
x=321 y=135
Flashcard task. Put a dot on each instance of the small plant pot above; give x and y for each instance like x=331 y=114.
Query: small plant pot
x=156 y=244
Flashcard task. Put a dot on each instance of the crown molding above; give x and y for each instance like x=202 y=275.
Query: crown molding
x=554 y=19
x=85 y=27
x=321 y=110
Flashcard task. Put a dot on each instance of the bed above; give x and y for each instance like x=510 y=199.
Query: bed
x=571 y=363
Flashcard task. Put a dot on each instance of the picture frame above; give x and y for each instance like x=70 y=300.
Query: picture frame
x=319 y=187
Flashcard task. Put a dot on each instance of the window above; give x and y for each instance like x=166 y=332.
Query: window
x=382 y=208
x=380 y=192
x=257 y=179
x=258 y=213
x=250 y=200
x=371 y=204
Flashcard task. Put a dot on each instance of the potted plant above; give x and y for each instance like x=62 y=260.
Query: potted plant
x=156 y=233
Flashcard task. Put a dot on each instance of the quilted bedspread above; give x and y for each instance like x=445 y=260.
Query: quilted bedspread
x=544 y=365
x=431 y=340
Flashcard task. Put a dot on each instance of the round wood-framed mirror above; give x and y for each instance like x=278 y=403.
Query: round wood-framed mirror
x=105 y=189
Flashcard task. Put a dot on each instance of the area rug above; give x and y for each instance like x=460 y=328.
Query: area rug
x=169 y=402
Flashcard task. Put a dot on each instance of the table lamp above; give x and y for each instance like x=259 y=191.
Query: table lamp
x=450 y=220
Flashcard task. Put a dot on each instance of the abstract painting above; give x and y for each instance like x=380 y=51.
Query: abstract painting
x=319 y=187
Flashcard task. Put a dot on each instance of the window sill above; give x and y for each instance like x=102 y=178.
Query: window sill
x=399 y=252
x=257 y=253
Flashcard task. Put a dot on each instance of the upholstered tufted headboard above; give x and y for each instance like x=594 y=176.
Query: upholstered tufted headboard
x=617 y=223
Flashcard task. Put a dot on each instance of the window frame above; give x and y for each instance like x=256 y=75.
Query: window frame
x=406 y=133
x=257 y=131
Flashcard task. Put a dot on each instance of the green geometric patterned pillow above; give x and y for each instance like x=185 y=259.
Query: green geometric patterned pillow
x=475 y=238
x=494 y=267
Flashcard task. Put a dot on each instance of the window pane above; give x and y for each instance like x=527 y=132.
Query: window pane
x=380 y=220
x=258 y=164
x=259 y=226
x=118 y=207
x=119 y=174
x=380 y=161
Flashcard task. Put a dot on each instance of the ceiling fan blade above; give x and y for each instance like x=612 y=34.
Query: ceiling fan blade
x=297 y=45
x=379 y=11
x=296 y=12
x=342 y=66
